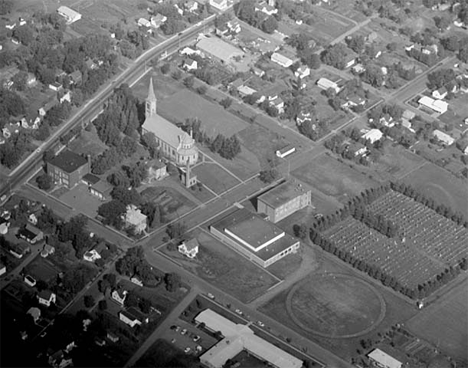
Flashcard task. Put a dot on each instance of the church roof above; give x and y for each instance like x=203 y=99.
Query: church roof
x=164 y=130
x=151 y=95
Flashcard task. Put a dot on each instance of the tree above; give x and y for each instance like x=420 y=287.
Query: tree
x=112 y=213
x=189 y=81
x=102 y=305
x=335 y=56
x=226 y=102
x=268 y=176
x=356 y=43
x=131 y=299
x=44 y=181
x=270 y=25
x=201 y=90
x=145 y=305
x=89 y=301
x=6 y=6
x=166 y=68
x=176 y=230
x=172 y=281
x=20 y=80
x=24 y=34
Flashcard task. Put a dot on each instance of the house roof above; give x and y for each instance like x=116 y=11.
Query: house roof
x=76 y=75
x=276 y=56
x=68 y=161
x=34 y=312
x=68 y=12
x=384 y=359
x=90 y=178
x=133 y=314
x=102 y=186
x=219 y=49
x=165 y=130
x=45 y=294
x=191 y=244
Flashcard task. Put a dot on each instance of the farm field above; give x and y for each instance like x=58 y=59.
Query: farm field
x=440 y=186
x=214 y=177
x=214 y=119
x=333 y=178
x=445 y=323
x=432 y=242
x=224 y=268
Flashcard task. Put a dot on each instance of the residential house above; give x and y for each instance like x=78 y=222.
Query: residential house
x=444 y=138
x=44 y=109
x=357 y=149
x=35 y=313
x=246 y=91
x=353 y=102
x=266 y=8
x=302 y=72
x=142 y=22
x=28 y=280
x=282 y=60
x=2 y=269
x=408 y=115
x=69 y=14
x=189 y=248
x=191 y=6
x=112 y=337
x=438 y=106
x=278 y=103
x=350 y=60
x=91 y=255
x=31 y=80
x=463 y=146
x=190 y=51
x=157 y=170
x=179 y=10
x=302 y=117
x=76 y=77
x=258 y=72
x=97 y=187
x=440 y=93
x=234 y=26
x=285 y=151
x=19 y=250
x=66 y=97
x=119 y=296
x=325 y=84
x=56 y=86
x=134 y=218
x=136 y=281
x=60 y=360
x=15 y=41
x=407 y=124
x=47 y=250
x=91 y=64
x=158 y=20
x=190 y=64
x=372 y=135
x=265 y=46
x=46 y=297
x=219 y=4
x=358 y=69
x=10 y=26
x=30 y=233
x=67 y=168
x=132 y=317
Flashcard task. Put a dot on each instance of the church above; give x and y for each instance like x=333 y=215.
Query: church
x=175 y=144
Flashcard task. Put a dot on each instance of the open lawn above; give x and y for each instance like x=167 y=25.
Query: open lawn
x=398 y=161
x=214 y=119
x=88 y=143
x=164 y=354
x=445 y=324
x=214 y=177
x=226 y=269
x=441 y=186
x=81 y=200
x=346 y=9
x=164 y=86
x=333 y=178
x=42 y=269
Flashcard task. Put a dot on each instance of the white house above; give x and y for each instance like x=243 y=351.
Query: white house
x=446 y=139
x=46 y=297
x=66 y=97
x=440 y=93
x=302 y=117
x=438 y=106
x=285 y=151
x=158 y=20
x=2 y=269
x=119 y=296
x=142 y=22
x=191 y=5
x=189 y=248
x=373 y=135
x=69 y=14
x=266 y=8
x=278 y=103
x=383 y=360
x=132 y=317
x=302 y=72
x=134 y=217
x=325 y=84
x=56 y=86
x=219 y=4
x=136 y=281
x=91 y=255
x=190 y=64
x=282 y=60
x=189 y=51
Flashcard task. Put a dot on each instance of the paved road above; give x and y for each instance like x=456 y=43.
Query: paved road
x=157 y=333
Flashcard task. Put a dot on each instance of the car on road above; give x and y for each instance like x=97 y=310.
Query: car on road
x=260 y=323
x=196 y=338
x=187 y=350
x=238 y=311
x=211 y=296
x=175 y=328
x=3 y=197
x=183 y=332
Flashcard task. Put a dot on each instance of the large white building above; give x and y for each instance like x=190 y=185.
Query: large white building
x=438 y=106
x=69 y=14
x=383 y=360
x=238 y=337
x=175 y=144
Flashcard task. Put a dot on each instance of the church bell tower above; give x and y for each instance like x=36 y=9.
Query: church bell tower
x=151 y=101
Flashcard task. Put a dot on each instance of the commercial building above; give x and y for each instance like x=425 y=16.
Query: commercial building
x=383 y=360
x=446 y=139
x=177 y=145
x=438 y=106
x=219 y=49
x=259 y=240
x=69 y=14
x=68 y=168
x=238 y=337
x=284 y=200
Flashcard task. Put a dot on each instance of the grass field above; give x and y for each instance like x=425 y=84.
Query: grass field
x=441 y=186
x=214 y=119
x=88 y=143
x=81 y=200
x=164 y=354
x=398 y=161
x=215 y=177
x=445 y=324
x=41 y=269
x=333 y=178
x=226 y=269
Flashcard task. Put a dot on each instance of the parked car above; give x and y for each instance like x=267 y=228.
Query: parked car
x=175 y=328
x=211 y=296
x=187 y=350
x=238 y=311
x=196 y=338
x=30 y=280
x=199 y=348
x=183 y=332
x=261 y=324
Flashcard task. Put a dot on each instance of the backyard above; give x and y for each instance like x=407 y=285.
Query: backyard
x=214 y=177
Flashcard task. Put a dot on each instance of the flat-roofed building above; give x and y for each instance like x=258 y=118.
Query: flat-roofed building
x=219 y=50
x=438 y=106
x=446 y=139
x=68 y=168
x=284 y=200
x=69 y=14
x=259 y=240
x=238 y=337
x=383 y=360
x=325 y=84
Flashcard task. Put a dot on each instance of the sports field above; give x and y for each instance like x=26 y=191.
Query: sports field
x=187 y=105
x=445 y=324
x=441 y=186
x=333 y=178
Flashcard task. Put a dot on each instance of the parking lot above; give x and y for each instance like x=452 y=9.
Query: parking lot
x=182 y=335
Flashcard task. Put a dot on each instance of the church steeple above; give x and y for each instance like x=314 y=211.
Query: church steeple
x=151 y=101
